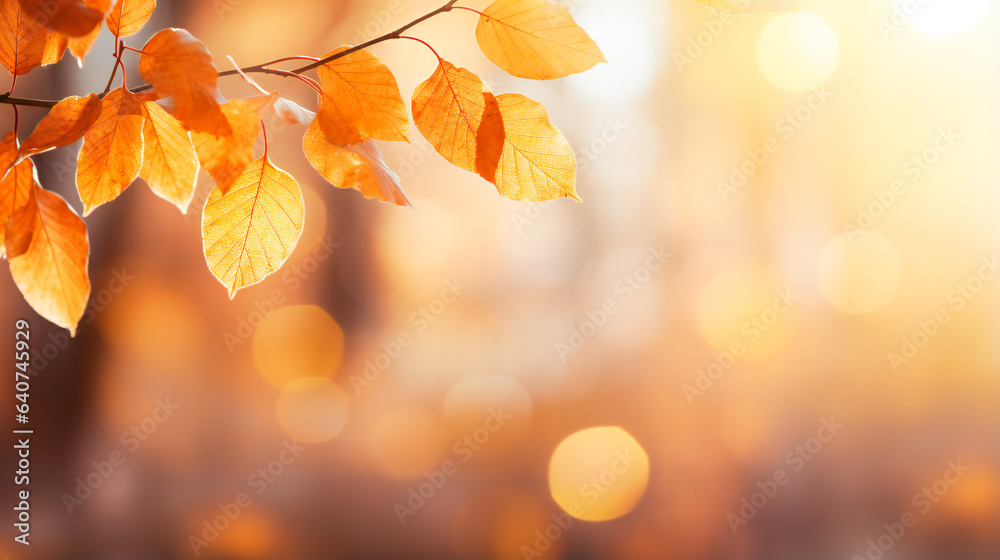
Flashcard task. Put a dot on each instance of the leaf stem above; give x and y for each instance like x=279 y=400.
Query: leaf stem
x=118 y=62
x=425 y=43
x=392 y=35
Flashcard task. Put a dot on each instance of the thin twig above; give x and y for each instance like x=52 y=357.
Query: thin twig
x=259 y=68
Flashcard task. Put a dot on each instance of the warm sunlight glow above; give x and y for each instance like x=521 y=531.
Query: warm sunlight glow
x=312 y=410
x=859 y=272
x=598 y=473
x=797 y=52
x=295 y=342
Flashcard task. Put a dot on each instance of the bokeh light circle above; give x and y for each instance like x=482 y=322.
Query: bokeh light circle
x=406 y=444
x=859 y=272
x=598 y=473
x=296 y=342
x=797 y=51
x=312 y=410
x=473 y=405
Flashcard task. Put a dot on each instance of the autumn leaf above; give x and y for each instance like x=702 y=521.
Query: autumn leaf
x=48 y=251
x=80 y=46
x=169 y=161
x=225 y=157
x=72 y=18
x=748 y=6
x=13 y=191
x=359 y=166
x=24 y=45
x=537 y=162
x=128 y=16
x=535 y=39
x=180 y=66
x=250 y=230
x=111 y=156
x=360 y=100
x=66 y=123
x=458 y=115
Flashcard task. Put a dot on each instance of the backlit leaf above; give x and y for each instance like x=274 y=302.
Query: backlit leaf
x=111 y=156
x=748 y=6
x=48 y=251
x=15 y=188
x=128 y=16
x=535 y=39
x=180 y=66
x=359 y=166
x=537 y=162
x=169 y=162
x=24 y=45
x=66 y=123
x=360 y=100
x=72 y=18
x=251 y=230
x=225 y=157
x=458 y=115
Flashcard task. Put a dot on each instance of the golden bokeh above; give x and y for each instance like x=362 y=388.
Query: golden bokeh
x=859 y=272
x=405 y=444
x=797 y=52
x=472 y=402
x=312 y=409
x=599 y=473
x=296 y=342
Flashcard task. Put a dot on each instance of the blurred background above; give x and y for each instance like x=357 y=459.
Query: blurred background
x=770 y=331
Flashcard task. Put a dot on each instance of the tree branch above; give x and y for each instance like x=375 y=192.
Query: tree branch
x=259 y=68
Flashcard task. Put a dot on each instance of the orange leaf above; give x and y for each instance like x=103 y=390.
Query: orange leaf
x=251 y=230
x=14 y=188
x=24 y=45
x=128 y=16
x=179 y=65
x=360 y=100
x=537 y=162
x=72 y=18
x=353 y=167
x=535 y=39
x=169 y=162
x=66 y=123
x=225 y=157
x=458 y=115
x=48 y=252
x=111 y=155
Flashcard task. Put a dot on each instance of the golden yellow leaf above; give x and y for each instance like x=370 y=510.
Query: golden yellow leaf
x=169 y=162
x=537 y=162
x=360 y=100
x=15 y=188
x=180 y=66
x=111 y=156
x=250 y=230
x=359 y=166
x=66 y=123
x=460 y=117
x=25 y=45
x=535 y=39
x=48 y=251
x=748 y=6
x=128 y=16
x=71 y=18
x=225 y=157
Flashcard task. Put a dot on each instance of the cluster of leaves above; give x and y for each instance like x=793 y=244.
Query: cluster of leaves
x=165 y=130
